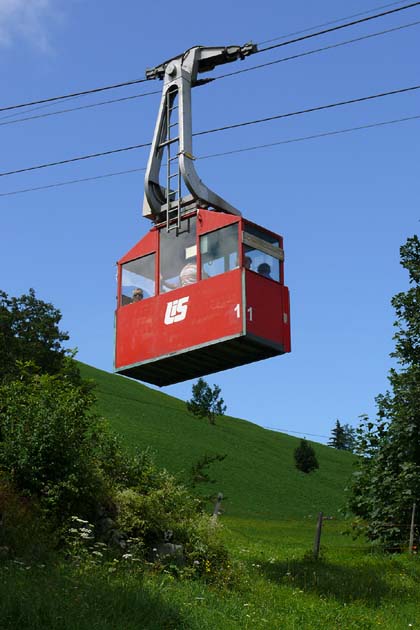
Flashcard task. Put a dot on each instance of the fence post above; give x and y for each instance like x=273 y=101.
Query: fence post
x=318 y=536
x=413 y=515
x=217 y=506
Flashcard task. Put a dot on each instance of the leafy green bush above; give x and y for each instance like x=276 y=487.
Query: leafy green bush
x=159 y=508
x=23 y=530
x=51 y=445
x=61 y=460
x=305 y=457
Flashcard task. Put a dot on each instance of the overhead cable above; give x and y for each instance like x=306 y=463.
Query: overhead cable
x=324 y=134
x=306 y=111
x=317 y=50
x=74 y=109
x=277 y=430
x=72 y=181
x=217 y=129
x=346 y=17
x=77 y=159
x=223 y=76
x=72 y=95
x=136 y=81
x=339 y=27
x=224 y=153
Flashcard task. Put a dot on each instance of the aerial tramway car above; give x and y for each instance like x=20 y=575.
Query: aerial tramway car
x=204 y=290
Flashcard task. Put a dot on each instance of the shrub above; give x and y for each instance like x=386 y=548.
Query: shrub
x=23 y=530
x=159 y=508
x=49 y=445
x=305 y=458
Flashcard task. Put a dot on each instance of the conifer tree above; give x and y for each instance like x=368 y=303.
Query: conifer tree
x=206 y=402
x=305 y=458
x=342 y=437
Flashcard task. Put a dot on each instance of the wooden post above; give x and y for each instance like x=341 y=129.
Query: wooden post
x=318 y=536
x=217 y=506
x=413 y=516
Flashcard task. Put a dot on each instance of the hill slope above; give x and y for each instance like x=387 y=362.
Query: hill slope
x=258 y=476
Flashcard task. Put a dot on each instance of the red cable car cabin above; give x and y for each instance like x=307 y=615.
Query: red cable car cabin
x=205 y=297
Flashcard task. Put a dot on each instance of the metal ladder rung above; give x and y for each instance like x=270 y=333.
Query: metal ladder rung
x=167 y=142
x=172 y=175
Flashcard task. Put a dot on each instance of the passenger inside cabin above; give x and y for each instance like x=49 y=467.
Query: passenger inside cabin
x=264 y=269
x=138 y=295
x=188 y=274
x=247 y=262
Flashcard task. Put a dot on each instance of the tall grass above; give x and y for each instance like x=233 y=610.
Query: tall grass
x=278 y=586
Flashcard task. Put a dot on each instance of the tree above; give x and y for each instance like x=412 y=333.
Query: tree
x=342 y=437
x=29 y=332
x=206 y=402
x=305 y=458
x=387 y=481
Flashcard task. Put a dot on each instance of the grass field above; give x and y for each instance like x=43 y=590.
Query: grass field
x=258 y=476
x=268 y=524
x=278 y=586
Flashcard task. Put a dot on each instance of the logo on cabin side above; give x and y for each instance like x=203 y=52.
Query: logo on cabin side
x=176 y=311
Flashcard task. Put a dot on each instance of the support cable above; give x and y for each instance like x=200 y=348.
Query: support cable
x=346 y=17
x=223 y=76
x=75 y=109
x=136 y=81
x=217 y=129
x=73 y=95
x=317 y=50
x=339 y=27
x=205 y=157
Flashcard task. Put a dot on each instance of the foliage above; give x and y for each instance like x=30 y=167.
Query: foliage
x=51 y=445
x=342 y=437
x=157 y=508
x=29 y=333
x=305 y=458
x=199 y=470
x=206 y=402
x=387 y=481
x=23 y=530
x=66 y=468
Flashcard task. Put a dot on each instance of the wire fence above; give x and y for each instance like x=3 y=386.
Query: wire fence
x=406 y=538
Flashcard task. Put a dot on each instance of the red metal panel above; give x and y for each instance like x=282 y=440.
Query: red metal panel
x=209 y=220
x=147 y=245
x=187 y=317
x=267 y=309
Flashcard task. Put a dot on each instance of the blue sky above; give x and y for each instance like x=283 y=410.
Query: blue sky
x=344 y=203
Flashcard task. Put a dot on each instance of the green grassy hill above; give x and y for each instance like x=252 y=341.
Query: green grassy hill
x=258 y=476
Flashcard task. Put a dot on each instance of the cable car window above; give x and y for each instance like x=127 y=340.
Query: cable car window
x=178 y=256
x=219 y=251
x=264 y=264
x=261 y=234
x=138 y=280
x=262 y=252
